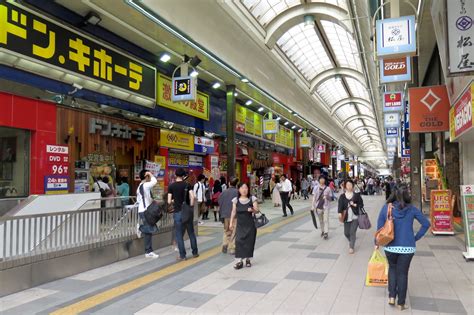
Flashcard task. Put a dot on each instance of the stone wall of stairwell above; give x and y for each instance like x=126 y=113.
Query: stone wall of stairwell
x=452 y=173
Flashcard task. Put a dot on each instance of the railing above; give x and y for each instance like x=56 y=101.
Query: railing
x=30 y=236
x=7 y=204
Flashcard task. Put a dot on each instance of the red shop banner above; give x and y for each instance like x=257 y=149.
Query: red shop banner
x=441 y=213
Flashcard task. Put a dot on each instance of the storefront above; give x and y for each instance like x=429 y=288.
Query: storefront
x=103 y=146
x=26 y=127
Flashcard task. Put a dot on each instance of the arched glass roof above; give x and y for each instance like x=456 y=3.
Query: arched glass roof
x=321 y=46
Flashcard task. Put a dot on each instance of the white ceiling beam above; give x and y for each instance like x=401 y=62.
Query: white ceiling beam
x=350 y=100
x=352 y=118
x=294 y=16
x=330 y=73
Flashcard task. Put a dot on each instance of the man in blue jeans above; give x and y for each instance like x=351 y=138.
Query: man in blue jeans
x=177 y=195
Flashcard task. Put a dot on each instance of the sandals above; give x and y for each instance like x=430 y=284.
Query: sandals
x=248 y=263
x=239 y=265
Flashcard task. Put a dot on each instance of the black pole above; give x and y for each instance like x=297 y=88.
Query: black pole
x=230 y=129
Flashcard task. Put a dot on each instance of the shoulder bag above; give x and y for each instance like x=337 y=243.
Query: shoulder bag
x=187 y=211
x=260 y=220
x=153 y=212
x=386 y=233
x=364 y=221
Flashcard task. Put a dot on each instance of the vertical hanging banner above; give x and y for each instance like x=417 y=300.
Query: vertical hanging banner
x=441 y=212
x=270 y=126
x=460 y=115
x=391 y=120
x=305 y=142
x=460 y=22
x=467 y=200
x=396 y=37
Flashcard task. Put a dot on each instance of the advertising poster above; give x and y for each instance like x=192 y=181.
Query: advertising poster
x=467 y=200
x=441 y=212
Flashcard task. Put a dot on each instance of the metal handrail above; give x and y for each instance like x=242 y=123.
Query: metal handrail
x=27 y=238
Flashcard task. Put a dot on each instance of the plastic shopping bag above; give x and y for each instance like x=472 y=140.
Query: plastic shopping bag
x=377 y=271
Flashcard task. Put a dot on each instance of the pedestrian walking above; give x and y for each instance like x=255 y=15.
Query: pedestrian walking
x=244 y=208
x=199 y=191
x=177 y=196
x=401 y=250
x=285 y=187
x=225 y=208
x=348 y=208
x=276 y=199
x=321 y=198
x=305 y=184
x=216 y=192
x=144 y=199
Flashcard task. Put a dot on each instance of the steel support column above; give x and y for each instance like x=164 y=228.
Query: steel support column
x=230 y=129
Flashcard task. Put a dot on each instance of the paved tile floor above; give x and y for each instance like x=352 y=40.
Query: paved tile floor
x=294 y=272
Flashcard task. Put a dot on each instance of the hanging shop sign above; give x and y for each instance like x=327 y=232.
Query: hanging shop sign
x=429 y=109
x=184 y=89
x=460 y=115
x=240 y=117
x=176 y=140
x=467 y=201
x=391 y=120
x=195 y=161
x=396 y=37
x=395 y=70
x=460 y=21
x=392 y=142
x=42 y=40
x=392 y=101
x=391 y=132
x=270 y=126
x=203 y=145
x=305 y=142
x=155 y=168
x=214 y=161
x=333 y=154
x=321 y=148
x=441 y=213
x=405 y=132
x=392 y=149
x=107 y=128
x=178 y=160
x=198 y=108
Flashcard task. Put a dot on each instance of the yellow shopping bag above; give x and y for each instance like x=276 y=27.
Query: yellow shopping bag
x=377 y=271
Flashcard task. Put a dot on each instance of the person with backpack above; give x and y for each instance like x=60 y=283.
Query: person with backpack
x=181 y=195
x=322 y=195
x=145 y=199
x=402 y=248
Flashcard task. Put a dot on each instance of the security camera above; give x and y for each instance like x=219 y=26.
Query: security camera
x=77 y=86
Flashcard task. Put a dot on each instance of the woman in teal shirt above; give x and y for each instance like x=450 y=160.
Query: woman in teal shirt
x=124 y=191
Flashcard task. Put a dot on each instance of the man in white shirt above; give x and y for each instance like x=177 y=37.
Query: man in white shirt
x=285 y=187
x=370 y=184
x=200 y=193
x=98 y=185
x=144 y=199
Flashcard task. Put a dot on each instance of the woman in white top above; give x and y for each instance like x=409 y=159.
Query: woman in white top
x=349 y=207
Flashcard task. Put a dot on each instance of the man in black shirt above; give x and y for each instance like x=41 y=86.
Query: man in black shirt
x=177 y=196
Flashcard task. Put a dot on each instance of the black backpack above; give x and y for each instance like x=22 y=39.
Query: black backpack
x=153 y=212
x=187 y=211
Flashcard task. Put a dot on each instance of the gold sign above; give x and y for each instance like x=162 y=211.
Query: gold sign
x=257 y=125
x=176 y=140
x=305 y=142
x=270 y=126
x=199 y=108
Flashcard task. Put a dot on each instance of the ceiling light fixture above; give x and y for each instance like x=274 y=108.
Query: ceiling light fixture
x=244 y=79
x=308 y=21
x=295 y=114
x=261 y=109
x=165 y=57
x=286 y=123
x=300 y=130
x=293 y=127
x=92 y=18
x=236 y=94
x=338 y=78
x=194 y=73
x=278 y=118
x=216 y=85
x=249 y=102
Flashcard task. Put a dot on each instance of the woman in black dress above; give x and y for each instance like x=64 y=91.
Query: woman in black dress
x=349 y=207
x=244 y=207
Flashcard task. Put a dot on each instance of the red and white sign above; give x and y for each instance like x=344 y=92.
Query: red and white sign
x=460 y=115
x=392 y=101
x=321 y=148
x=333 y=154
x=57 y=158
x=429 y=109
x=441 y=212
x=204 y=141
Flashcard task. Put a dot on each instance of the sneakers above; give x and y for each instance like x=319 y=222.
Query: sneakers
x=139 y=233
x=351 y=251
x=326 y=236
x=152 y=255
x=224 y=249
x=176 y=249
x=200 y=222
x=285 y=215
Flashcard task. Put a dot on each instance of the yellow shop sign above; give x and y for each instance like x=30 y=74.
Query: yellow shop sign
x=176 y=140
x=199 y=108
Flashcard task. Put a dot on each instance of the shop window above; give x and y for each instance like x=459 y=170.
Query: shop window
x=14 y=162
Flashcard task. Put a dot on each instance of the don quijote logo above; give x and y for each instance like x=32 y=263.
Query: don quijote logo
x=396 y=66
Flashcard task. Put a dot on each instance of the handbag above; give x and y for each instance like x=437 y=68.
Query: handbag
x=386 y=233
x=153 y=212
x=364 y=221
x=260 y=220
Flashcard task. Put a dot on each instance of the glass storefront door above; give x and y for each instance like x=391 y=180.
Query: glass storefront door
x=14 y=162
